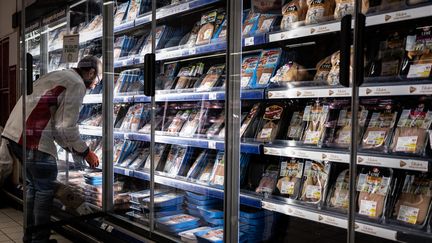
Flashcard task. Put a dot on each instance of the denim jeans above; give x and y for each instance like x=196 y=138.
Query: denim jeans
x=41 y=173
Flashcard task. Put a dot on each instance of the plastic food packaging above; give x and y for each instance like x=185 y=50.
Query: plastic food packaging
x=268 y=180
x=296 y=126
x=315 y=177
x=411 y=132
x=177 y=223
x=120 y=13
x=217 y=177
x=176 y=158
x=315 y=117
x=189 y=236
x=265 y=23
x=294 y=13
x=379 y=130
x=268 y=62
x=373 y=185
x=249 y=65
x=212 y=77
x=323 y=69
x=249 y=119
x=333 y=75
x=250 y=24
x=266 y=6
x=319 y=11
x=342 y=136
x=190 y=127
x=413 y=202
x=207 y=28
x=271 y=123
x=343 y=7
x=290 y=176
x=339 y=192
x=213 y=235
x=290 y=72
x=210 y=212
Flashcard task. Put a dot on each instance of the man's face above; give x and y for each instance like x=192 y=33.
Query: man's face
x=92 y=78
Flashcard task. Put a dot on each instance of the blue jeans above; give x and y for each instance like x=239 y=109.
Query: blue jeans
x=41 y=173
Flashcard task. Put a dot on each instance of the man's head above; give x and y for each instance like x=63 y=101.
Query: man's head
x=90 y=69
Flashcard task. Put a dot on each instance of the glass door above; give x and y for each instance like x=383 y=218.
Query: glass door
x=392 y=191
x=62 y=161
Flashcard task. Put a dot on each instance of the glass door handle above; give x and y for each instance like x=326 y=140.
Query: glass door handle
x=359 y=50
x=345 y=51
x=29 y=73
x=149 y=74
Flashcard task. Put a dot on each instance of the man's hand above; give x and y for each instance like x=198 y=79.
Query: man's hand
x=92 y=159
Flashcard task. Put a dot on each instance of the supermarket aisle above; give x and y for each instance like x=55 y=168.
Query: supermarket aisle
x=11 y=221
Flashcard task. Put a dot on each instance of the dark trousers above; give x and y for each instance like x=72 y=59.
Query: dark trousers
x=41 y=173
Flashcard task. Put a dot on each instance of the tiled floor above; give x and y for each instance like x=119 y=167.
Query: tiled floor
x=11 y=230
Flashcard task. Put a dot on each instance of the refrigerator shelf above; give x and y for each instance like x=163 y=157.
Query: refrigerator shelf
x=343 y=156
x=182 y=184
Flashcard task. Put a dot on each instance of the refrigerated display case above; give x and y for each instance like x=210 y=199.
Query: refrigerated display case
x=255 y=127
x=33 y=44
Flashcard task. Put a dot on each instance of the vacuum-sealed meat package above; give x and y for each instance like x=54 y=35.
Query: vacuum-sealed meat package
x=161 y=151
x=296 y=126
x=315 y=177
x=268 y=180
x=178 y=121
x=319 y=11
x=338 y=196
x=120 y=13
x=208 y=28
x=265 y=23
x=217 y=178
x=212 y=78
x=379 y=130
x=268 y=62
x=411 y=132
x=413 y=202
x=315 y=117
x=290 y=176
x=192 y=124
x=290 y=72
x=175 y=159
x=271 y=123
x=373 y=185
x=294 y=13
x=342 y=136
x=249 y=65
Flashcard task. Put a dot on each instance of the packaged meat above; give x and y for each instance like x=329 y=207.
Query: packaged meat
x=343 y=7
x=177 y=223
x=413 y=202
x=161 y=151
x=296 y=126
x=319 y=11
x=216 y=126
x=249 y=65
x=268 y=62
x=379 y=130
x=389 y=57
x=342 y=136
x=294 y=13
x=175 y=160
x=290 y=176
x=208 y=27
x=265 y=23
x=212 y=77
x=323 y=69
x=339 y=192
x=194 y=121
x=189 y=236
x=268 y=180
x=217 y=177
x=249 y=119
x=176 y=125
x=212 y=235
x=373 y=185
x=190 y=38
x=271 y=123
x=315 y=117
x=314 y=182
x=133 y=10
x=198 y=165
x=220 y=27
x=411 y=132
x=140 y=160
x=119 y=15
x=290 y=72
x=250 y=24
x=207 y=171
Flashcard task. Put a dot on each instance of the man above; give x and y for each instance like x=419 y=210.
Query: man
x=52 y=112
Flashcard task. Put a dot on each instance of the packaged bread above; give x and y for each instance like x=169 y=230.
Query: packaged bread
x=268 y=180
x=343 y=7
x=271 y=123
x=314 y=181
x=323 y=69
x=315 y=117
x=412 y=205
x=290 y=176
x=296 y=126
x=290 y=72
x=378 y=132
x=339 y=192
x=373 y=185
x=411 y=132
x=294 y=13
x=319 y=11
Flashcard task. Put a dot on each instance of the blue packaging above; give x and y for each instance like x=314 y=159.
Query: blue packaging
x=249 y=65
x=189 y=237
x=214 y=235
x=258 y=221
x=202 y=202
x=193 y=211
x=215 y=221
x=177 y=223
x=210 y=212
x=200 y=197
x=252 y=213
x=266 y=69
x=165 y=200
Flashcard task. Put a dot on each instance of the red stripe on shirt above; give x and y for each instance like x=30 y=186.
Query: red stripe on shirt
x=40 y=116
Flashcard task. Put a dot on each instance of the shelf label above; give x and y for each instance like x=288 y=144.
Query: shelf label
x=249 y=41
x=399 y=15
x=212 y=96
x=417 y=165
x=309 y=93
x=419 y=71
x=273 y=151
x=173 y=10
x=304 y=31
x=211 y=145
x=372 y=230
x=329 y=220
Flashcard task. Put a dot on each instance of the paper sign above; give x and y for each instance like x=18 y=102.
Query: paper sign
x=70 y=48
